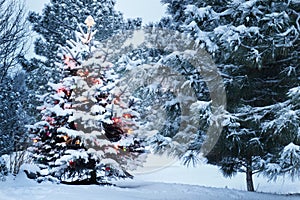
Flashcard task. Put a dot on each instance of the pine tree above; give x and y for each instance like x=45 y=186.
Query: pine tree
x=57 y=24
x=256 y=47
x=164 y=73
x=87 y=133
x=286 y=160
x=59 y=20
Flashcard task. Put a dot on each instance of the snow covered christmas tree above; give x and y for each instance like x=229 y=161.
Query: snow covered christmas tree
x=87 y=133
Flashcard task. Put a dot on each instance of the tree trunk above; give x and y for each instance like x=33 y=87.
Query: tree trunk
x=249 y=178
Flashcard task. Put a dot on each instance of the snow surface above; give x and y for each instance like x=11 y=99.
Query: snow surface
x=173 y=182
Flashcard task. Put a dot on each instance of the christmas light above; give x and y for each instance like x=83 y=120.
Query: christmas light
x=65 y=137
x=96 y=81
x=129 y=131
x=60 y=90
x=89 y=21
x=116 y=120
x=68 y=93
x=83 y=73
x=35 y=140
x=116 y=102
x=72 y=163
x=127 y=115
x=77 y=142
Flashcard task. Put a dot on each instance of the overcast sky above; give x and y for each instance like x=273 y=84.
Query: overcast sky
x=149 y=10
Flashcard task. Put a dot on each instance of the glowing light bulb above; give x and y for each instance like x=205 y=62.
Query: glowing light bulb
x=89 y=21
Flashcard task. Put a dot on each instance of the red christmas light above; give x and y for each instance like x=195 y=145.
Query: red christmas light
x=72 y=163
x=96 y=81
x=127 y=115
x=116 y=120
x=60 y=90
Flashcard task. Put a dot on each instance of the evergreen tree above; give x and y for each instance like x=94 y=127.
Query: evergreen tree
x=14 y=95
x=60 y=19
x=284 y=123
x=87 y=133
x=256 y=46
x=57 y=23
x=164 y=72
x=15 y=101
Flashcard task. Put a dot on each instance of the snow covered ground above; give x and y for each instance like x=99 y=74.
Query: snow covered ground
x=140 y=191
x=173 y=182
x=210 y=176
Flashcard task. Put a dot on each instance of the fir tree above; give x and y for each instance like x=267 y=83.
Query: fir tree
x=60 y=18
x=57 y=24
x=87 y=133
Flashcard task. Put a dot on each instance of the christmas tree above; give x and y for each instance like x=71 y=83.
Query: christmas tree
x=87 y=133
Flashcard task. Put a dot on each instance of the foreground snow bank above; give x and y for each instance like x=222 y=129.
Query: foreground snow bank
x=174 y=182
x=24 y=189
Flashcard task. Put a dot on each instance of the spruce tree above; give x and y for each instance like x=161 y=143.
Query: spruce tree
x=59 y=20
x=87 y=133
x=57 y=24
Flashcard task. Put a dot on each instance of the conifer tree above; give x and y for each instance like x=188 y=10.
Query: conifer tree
x=57 y=24
x=59 y=20
x=87 y=133
x=256 y=46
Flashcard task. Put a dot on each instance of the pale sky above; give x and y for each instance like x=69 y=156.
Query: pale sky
x=149 y=10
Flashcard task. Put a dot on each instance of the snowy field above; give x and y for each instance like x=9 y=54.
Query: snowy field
x=171 y=183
